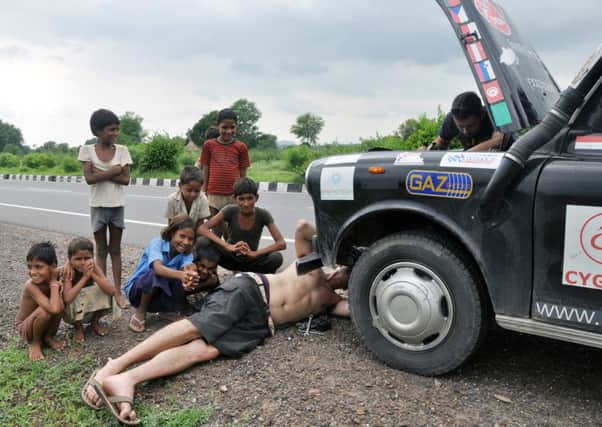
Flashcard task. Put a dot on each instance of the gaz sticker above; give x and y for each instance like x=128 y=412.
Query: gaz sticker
x=450 y=185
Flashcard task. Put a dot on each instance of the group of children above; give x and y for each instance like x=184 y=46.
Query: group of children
x=223 y=228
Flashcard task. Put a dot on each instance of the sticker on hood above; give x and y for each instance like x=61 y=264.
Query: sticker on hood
x=337 y=183
x=449 y=185
x=493 y=15
x=471 y=160
x=409 y=158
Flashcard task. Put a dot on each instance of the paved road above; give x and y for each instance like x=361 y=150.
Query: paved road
x=63 y=207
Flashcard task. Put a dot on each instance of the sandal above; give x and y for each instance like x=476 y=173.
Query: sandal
x=112 y=403
x=136 y=324
x=172 y=316
x=94 y=384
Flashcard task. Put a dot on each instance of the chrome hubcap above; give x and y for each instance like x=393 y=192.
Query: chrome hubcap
x=411 y=306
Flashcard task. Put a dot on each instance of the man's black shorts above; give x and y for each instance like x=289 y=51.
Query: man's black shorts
x=234 y=317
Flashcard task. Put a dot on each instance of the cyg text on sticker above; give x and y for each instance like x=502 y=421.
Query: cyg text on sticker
x=451 y=185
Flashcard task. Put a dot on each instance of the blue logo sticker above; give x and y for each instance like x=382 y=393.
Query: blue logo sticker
x=451 y=185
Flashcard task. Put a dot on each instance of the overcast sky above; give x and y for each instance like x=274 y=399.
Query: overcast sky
x=364 y=67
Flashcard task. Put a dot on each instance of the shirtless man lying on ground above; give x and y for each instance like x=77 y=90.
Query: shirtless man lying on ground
x=234 y=320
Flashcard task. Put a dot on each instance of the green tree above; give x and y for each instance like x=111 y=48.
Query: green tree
x=425 y=131
x=247 y=131
x=197 y=133
x=9 y=134
x=265 y=141
x=130 y=129
x=407 y=128
x=15 y=149
x=307 y=128
x=248 y=116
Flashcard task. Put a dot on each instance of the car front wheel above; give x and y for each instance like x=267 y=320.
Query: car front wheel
x=417 y=303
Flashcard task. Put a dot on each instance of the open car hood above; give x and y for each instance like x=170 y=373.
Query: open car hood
x=514 y=83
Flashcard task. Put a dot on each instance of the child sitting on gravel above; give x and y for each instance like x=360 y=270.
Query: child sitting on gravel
x=41 y=302
x=166 y=274
x=87 y=293
x=246 y=221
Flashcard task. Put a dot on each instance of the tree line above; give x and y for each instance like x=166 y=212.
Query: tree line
x=160 y=152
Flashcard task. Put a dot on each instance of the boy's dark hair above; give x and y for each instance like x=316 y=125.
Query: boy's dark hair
x=226 y=113
x=102 y=118
x=178 y=222
x=212 y=132
x=190 y=173
x=44 y=252
x=205 y=249
x=79 y=244
x=466 y=104
x=245 y=185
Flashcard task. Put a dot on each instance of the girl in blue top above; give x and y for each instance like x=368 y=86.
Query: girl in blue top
x=164 y=273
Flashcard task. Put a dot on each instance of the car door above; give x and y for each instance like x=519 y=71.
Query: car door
x=567 y=273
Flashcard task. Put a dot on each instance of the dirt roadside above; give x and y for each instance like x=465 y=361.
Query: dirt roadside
x=332 y=380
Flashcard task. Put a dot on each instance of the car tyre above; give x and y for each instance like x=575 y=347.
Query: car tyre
x=418 y=303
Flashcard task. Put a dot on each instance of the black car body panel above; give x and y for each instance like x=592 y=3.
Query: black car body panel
x=514 y=83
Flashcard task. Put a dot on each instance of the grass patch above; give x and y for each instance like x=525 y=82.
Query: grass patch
x=47 y=393
x=272 y=171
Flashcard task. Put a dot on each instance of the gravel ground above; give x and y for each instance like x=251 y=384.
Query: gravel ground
x=332 y=380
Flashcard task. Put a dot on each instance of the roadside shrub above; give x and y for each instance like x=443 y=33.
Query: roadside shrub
x=299 y=157
x=137 y=152
x=39 y=161
x=161 y=154
x=9 y=160
x=70 y=165
x=187 y=158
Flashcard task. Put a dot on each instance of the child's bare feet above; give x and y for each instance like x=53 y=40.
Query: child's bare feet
x=53 y=343
x=121 y=300
x=79 y=336
x=35 y=351
x=99 y=328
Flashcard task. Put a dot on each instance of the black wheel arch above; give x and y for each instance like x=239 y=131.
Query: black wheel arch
x=376 y=221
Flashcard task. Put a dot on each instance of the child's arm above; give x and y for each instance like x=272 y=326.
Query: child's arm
x=101 y=280
x=243 y=172
x=94 y=175
x=163 y=271
x=278 y=245
x=71 y=291
x=205 y=178
x=124 y=177
x=54 y=304
x=205 y=230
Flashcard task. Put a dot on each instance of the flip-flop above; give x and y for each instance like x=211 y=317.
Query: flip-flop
x=136 y=324
x=111 y=403
x=91 y=383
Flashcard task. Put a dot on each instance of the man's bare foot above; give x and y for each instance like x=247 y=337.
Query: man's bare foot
x=120 y=385
x=79 y=336
x=107 y=370
x=35 y=351
x=53 y=343
x=99 y=329
x=121 y=300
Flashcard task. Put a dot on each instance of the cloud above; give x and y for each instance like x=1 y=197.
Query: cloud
x=12 y=51
x=364 y=66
